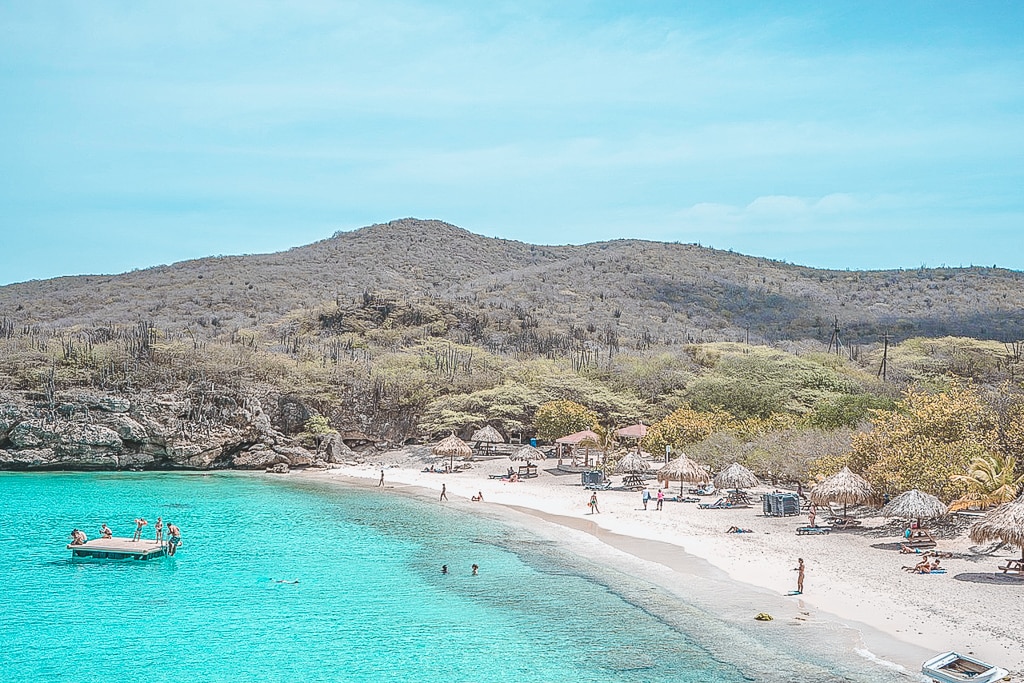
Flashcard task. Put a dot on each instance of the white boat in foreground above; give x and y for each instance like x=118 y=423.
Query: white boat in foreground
x=953 y=667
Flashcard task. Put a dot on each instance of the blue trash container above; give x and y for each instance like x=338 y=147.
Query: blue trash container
x=533 y=442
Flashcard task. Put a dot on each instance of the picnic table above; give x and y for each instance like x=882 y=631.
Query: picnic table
x=1015 y=566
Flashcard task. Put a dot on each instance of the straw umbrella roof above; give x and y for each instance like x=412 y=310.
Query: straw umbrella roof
x=452 y=446
x=632 y=463
x=528 y=453
x=586 y=436
x=914 y=504
x=487 y=434
x=1005 y=523
x=637 y=431
x=684 y=469
x=735 y=476
x=842 y=487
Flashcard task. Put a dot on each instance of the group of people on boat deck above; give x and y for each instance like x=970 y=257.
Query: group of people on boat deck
x=78 y=536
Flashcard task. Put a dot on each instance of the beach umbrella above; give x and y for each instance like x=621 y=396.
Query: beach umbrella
x=452 y=446
x=528 y=453
x=487 y=435
x=633 y=463
x=586 y=438
x=1005 y=523
x=683 y=470
x=842 y=487
x=917 y=505
x=735 y=476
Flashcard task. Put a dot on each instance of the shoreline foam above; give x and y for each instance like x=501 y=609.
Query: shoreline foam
x=902 y=617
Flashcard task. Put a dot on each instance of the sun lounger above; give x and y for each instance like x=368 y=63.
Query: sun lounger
x=603 y=486
x=813 y=530
x=844 y=523
x=719 y=504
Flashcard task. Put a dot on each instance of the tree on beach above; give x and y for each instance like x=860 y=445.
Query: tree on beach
x=555 y=419
x=990 y=481
x=928 y=440
x=685 y=426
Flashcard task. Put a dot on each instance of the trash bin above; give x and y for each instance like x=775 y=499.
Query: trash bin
x=594 y=477
x=533 y=442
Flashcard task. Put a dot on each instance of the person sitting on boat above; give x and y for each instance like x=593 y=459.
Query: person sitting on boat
x=78 y=537
x=105 y=531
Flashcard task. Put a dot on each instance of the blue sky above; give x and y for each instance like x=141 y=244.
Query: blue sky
x=841 y=135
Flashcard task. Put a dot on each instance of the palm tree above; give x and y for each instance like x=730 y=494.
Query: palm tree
x=991 y=480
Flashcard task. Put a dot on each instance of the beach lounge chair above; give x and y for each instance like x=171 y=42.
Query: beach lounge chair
x=813 y=530
x=719 y=504
x=844 y=523
x=595 y=486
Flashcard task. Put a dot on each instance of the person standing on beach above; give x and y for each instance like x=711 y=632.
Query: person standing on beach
x=593 y=503
x=444 y=493
x=800 y=576
x=661 y=500
x=381 y=482
x=645 y=497
x=812 y=516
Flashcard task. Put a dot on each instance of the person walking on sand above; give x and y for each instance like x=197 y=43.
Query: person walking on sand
x=661 y=500
x=381 y=482
x=800 y=576
x=645 y=497
x=444 y=493
x=593 y=503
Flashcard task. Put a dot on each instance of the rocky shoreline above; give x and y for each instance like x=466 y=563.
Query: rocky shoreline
x=90 y=430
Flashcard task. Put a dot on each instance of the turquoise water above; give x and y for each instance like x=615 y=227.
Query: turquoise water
x=370 y=604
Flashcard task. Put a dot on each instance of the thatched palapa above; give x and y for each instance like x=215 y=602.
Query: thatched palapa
x=735 y=476
x=916 y=505
x=1005 y=523
x=632 y=463
x=637 y=431
x=452 y=447
x=487 y=434
x=842 y=487
x=528 y=453
x=683 y=470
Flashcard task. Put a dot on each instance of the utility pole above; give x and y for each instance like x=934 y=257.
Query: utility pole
x=884 y=367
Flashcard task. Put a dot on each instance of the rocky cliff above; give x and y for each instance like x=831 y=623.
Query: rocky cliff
x=78 y=430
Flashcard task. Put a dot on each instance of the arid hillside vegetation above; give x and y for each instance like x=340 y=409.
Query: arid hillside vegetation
x=414 y=329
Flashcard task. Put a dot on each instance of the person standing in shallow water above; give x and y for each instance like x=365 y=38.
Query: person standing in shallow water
x=475 y=569
x=800 y=576
x=444 y=493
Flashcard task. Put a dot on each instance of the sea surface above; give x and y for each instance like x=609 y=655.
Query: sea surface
x=283 y=580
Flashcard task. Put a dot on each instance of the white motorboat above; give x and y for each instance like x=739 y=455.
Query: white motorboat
x=953 y=667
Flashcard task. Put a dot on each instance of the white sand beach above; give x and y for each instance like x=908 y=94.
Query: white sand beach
x=852 y=576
